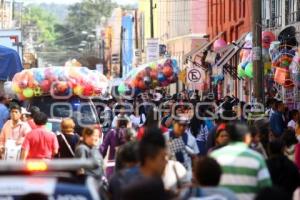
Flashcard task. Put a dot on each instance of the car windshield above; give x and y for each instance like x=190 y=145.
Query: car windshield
x=81 y=110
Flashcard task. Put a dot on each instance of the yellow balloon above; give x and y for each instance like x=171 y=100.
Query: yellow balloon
x=78 y=90
x=16 y=88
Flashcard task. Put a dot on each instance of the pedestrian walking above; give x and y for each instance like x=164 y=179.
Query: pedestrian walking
x=13 y=134
x=67 y=139
x=87 y=149
x=40 y=143
x=244 y=170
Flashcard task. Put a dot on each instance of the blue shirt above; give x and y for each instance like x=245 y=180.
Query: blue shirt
x=277 y=124
x=4 y=114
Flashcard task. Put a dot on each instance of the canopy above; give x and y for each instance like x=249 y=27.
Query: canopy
x=10 y=63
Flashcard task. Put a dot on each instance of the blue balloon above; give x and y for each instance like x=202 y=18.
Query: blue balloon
x=38 y=75
x=161 y=77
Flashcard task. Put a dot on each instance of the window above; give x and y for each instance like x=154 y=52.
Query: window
x=293 y=12
x=276 y=13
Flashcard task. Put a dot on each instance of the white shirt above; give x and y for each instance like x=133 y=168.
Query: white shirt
x=136 y=120
x=292 y=124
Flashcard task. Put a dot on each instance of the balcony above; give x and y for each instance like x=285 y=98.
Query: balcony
x=294 y=17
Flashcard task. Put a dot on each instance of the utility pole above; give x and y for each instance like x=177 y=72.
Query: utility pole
x=151 y=19
x=258 y=67
x=121 y=52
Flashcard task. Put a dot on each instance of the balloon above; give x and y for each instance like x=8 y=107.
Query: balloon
x=62 y=87
x=241 y=72
x=78 y=90
x=88 y=90
x=219 y=44
x=141 y=85
x=16 y=88
x=267 y=38
x=165 y=83
x=161 y=77
x=167 y=71
x=45 y=86
x=28 y=93
x=37 y=91
x=153 y=74
x=122 y=88
x=249 y=70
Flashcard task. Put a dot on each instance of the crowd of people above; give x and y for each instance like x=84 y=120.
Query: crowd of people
x=167 y=149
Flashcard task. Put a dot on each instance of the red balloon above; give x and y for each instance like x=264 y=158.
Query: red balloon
x=267 y=38
x=141 y=85
x=167 y=71
x=153 y=74
x=45 y=85
x=62 y=86
x=88 y=90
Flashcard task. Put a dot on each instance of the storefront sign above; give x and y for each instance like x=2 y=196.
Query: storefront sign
x=152 y=50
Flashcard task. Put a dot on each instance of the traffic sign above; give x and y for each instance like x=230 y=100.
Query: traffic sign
x=194 y=75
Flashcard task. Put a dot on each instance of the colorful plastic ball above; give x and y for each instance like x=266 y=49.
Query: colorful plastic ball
x=62 y=86
x=28 y=93
x=141 y=85
x=78 y=90
x=161 y=77
x=241 y=71
x=267 y=38
x=122 y=88
x=45 y=86
x=88 y=91
x=37 y=91
x=153 y=74
x=16 y=88
x=219 y=44
x=249 y=70
x=167 y=71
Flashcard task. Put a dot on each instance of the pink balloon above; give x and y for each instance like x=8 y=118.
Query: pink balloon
x=219 y=44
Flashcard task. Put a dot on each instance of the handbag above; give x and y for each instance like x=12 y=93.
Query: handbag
x=67 y=143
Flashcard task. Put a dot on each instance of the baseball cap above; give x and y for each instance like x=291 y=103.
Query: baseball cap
x=24 y=111
x=183 y=120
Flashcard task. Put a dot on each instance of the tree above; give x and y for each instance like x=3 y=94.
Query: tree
x=39 y=23
x=85 y=16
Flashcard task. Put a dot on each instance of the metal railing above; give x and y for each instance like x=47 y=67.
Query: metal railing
x=294 y=17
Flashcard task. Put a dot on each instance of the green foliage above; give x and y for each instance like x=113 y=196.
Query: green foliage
x=42 y=22
x=87 y=15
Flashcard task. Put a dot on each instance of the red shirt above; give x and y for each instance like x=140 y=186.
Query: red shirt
x=141 y=132
x=32 y=124
x=40 y=143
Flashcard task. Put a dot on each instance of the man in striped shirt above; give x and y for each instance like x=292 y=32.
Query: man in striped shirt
x=244 y=170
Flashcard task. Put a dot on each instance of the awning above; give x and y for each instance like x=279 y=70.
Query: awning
x=189 y=56
x=231 y=51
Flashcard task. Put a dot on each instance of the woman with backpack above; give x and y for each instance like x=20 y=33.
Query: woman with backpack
x=113 y=140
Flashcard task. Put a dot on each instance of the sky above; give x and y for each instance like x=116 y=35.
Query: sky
x=124 y=2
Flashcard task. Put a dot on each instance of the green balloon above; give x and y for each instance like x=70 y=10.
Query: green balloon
x=241 y=72
x=249 y=70
x=122 y=88
x=28 y=93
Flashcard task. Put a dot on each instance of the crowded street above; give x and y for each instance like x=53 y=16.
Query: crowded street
x=149 y=100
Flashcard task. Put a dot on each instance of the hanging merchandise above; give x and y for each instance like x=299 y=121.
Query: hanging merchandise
x=267 y=38
x=287 y=37
x=219 y=45
x=59 y=81
x=150 y=76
